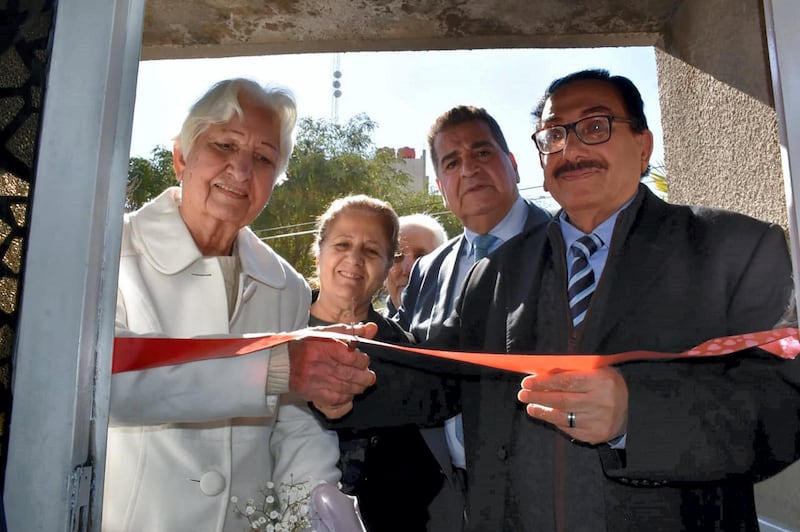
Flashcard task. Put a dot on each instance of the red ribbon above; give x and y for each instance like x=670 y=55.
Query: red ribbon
x=132 y=353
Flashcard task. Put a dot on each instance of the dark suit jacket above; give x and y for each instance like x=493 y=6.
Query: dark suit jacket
x=425 y=303
x=427 y=295
x=383 y=465
x=699 y=433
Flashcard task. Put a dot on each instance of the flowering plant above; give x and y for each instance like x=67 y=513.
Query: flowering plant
x=286 y=508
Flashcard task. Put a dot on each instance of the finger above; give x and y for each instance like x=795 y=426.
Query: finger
x=339 y=392
x=566 y=421
x=347 y=358
x=569 y=381
x=566 y=401
x=367 y=330
x=353 y=380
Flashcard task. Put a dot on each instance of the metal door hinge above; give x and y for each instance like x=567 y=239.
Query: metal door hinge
x=80 y=498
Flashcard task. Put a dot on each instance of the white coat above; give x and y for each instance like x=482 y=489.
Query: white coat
x=184 y=439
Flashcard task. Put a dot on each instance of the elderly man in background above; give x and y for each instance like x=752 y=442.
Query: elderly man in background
x=419 y=235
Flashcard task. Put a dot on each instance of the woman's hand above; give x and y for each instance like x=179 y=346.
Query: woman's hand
x=330 y=373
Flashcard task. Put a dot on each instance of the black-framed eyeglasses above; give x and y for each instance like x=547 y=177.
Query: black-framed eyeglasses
x=590 y=130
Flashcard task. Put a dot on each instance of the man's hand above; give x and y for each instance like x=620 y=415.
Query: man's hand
x=598 y=400
x=331 y=373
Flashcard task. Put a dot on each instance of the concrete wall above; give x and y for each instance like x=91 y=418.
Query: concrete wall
x=720 y=129
x=721 y=143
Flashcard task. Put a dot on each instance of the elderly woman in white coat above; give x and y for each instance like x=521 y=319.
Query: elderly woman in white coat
x=185 y=439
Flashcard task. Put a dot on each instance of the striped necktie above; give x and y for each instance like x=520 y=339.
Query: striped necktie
x=581 y=276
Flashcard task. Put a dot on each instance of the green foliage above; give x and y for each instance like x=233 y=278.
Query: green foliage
x=329 y=161
x=658 y=173
x=147 y=178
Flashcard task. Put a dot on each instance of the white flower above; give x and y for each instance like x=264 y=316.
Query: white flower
x=285 y=508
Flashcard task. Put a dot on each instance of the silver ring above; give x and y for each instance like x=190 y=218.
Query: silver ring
x=571 y=420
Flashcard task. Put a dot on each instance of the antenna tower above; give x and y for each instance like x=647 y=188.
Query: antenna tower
x=337 y=87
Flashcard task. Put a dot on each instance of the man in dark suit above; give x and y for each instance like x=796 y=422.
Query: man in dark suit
x=669 y=445
x=477 y=176
x=657 y=445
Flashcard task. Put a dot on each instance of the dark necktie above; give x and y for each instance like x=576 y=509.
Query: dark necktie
x=581 y=276
x=481 y=245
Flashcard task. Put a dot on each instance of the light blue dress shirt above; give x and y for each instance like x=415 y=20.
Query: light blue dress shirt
x=597 y=261
x=508 y=228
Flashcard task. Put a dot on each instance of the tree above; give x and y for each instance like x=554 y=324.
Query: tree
x=329 y=161
x=147 y=178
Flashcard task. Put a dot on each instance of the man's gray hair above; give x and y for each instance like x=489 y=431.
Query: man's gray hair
x=428 y=222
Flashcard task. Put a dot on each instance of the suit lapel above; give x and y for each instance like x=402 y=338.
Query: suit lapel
x=638 y=259
x=444 y=299
x=517 y=287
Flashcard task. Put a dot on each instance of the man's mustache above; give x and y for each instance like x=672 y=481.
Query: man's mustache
x=580 y=165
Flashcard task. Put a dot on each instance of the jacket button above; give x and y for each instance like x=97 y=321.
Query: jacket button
x=374 y=441
x=212 y=483
x=502 y=454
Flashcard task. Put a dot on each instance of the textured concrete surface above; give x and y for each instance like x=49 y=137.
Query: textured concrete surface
x=214 y=28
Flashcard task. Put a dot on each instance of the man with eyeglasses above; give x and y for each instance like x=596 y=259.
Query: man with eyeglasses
x=656 y=445
x=650 y=445
x=419 y=235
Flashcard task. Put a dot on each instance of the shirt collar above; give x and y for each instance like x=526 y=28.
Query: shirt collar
x=605 y=230
x=510 y=226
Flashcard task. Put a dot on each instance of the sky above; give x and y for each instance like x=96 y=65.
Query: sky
x=403 y=92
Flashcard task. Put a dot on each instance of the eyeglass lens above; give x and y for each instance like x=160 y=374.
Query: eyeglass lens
x=590 y=130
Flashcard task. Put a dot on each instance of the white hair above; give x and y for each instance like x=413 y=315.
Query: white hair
x=222 y=100
x=428 y=222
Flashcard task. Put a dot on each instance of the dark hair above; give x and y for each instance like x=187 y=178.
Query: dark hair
x=631 y=98
x=460 y=115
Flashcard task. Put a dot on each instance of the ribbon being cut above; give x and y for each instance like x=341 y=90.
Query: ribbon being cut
x=132 y=353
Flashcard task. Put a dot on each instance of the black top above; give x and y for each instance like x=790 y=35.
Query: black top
x=390 y=469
